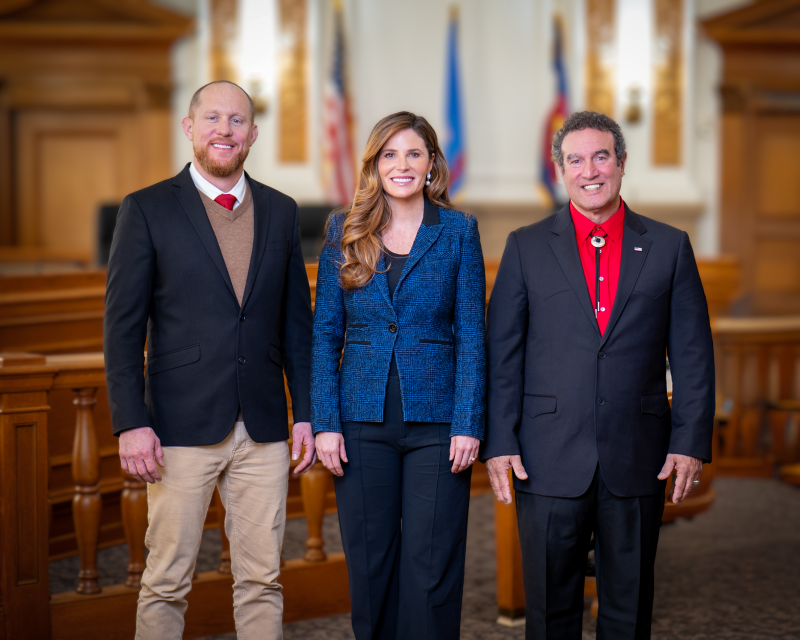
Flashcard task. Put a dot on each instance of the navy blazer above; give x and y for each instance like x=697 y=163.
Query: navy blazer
x=206 y=357
x=435 y=327
x=564 y=396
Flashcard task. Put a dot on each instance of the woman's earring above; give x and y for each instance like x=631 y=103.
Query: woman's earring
x=428 y=182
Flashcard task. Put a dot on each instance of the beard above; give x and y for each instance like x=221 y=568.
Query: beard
x=215 y=167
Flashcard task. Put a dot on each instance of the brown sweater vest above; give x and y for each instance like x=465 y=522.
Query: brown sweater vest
x=234 y=230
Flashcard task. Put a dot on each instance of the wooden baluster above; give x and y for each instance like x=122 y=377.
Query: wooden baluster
x=225 y=553
x=510 y=588
x=313 y=487
x=733 y=435
x=134 y=521
x=786 y=371
x=87 y=503
x=753 y=426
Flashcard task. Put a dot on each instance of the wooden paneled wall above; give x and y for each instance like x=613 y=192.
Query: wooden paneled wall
x=760 y=190
x=85 y=91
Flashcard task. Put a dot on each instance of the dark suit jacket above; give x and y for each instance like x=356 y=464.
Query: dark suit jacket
x=206 y=357
x=565 y=397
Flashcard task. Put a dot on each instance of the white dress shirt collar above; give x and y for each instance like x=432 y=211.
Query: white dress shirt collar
x=212 y=192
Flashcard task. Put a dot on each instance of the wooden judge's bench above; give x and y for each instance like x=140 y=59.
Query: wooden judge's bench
x=62 y=491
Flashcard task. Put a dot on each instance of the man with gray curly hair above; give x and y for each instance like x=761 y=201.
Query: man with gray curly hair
x=584 y=307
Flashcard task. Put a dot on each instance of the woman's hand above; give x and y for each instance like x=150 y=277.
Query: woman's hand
x=463 y=451
x=330 y=451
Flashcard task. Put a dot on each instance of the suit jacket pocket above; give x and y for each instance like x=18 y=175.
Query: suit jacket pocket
x=275 y=355
x=537 y=405
x=173 y=359
x=657 y=405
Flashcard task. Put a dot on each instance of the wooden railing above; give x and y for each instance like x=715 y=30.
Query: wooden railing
x=28 y=610
x=758 y=394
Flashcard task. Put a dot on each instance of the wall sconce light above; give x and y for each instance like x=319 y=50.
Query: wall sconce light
x=260 y=102
x=633 y=110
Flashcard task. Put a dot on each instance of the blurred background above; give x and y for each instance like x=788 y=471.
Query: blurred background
x=92 y=93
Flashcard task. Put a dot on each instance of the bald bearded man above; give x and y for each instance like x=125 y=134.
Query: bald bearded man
x=207 y=268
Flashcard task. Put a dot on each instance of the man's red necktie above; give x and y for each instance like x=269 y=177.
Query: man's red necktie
x=226 y=200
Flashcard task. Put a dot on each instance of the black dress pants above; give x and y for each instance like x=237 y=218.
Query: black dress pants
x=555 y=533
x=403 y=517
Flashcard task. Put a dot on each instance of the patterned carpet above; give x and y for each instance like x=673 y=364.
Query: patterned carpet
x=732 y=573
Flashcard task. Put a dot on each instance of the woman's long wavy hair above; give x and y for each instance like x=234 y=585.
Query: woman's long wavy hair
x=369 y=214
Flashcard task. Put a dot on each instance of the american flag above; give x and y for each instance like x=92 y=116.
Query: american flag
x=339 y=165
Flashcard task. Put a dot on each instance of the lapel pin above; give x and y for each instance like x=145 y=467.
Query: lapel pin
x=637 y=248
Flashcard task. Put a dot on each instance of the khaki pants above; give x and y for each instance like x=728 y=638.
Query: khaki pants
x=253 y=482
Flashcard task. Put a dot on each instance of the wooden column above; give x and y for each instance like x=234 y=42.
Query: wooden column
x=87 y=503
x=134 y=521
x=314 y=486
x=510 y=588
x=24 y=580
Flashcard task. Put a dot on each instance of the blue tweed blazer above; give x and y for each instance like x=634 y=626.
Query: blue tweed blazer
x=435 y=327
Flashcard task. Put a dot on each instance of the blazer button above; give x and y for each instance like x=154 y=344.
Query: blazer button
x=242 y=318
x=393 y=328
x=242 y=360
x=601 y=355
x=601 y=401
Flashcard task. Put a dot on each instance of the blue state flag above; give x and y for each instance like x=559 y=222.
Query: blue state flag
x=454 y=151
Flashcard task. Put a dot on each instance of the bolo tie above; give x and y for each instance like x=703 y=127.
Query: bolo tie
x=598 y=242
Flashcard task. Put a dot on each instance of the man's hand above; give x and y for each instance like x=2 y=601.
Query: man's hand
x=463 y=452
x=330 y=448
x=498 y=475
x=139 y=451
x=689 y=470
x=302 y=436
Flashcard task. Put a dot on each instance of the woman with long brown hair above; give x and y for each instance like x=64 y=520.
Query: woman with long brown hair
x=398 y=383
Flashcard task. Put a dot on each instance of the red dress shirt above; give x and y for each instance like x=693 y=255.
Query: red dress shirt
x=610 y=256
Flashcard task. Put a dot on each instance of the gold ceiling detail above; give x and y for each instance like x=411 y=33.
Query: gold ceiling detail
x=668 y=82
x=292 y=82
x=600 y=56
x=224 y=35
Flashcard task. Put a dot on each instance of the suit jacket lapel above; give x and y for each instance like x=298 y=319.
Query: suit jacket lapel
x=428 y=232
x=186 y=192
x=566 y=249
x=261 y=217
x=630 y=267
